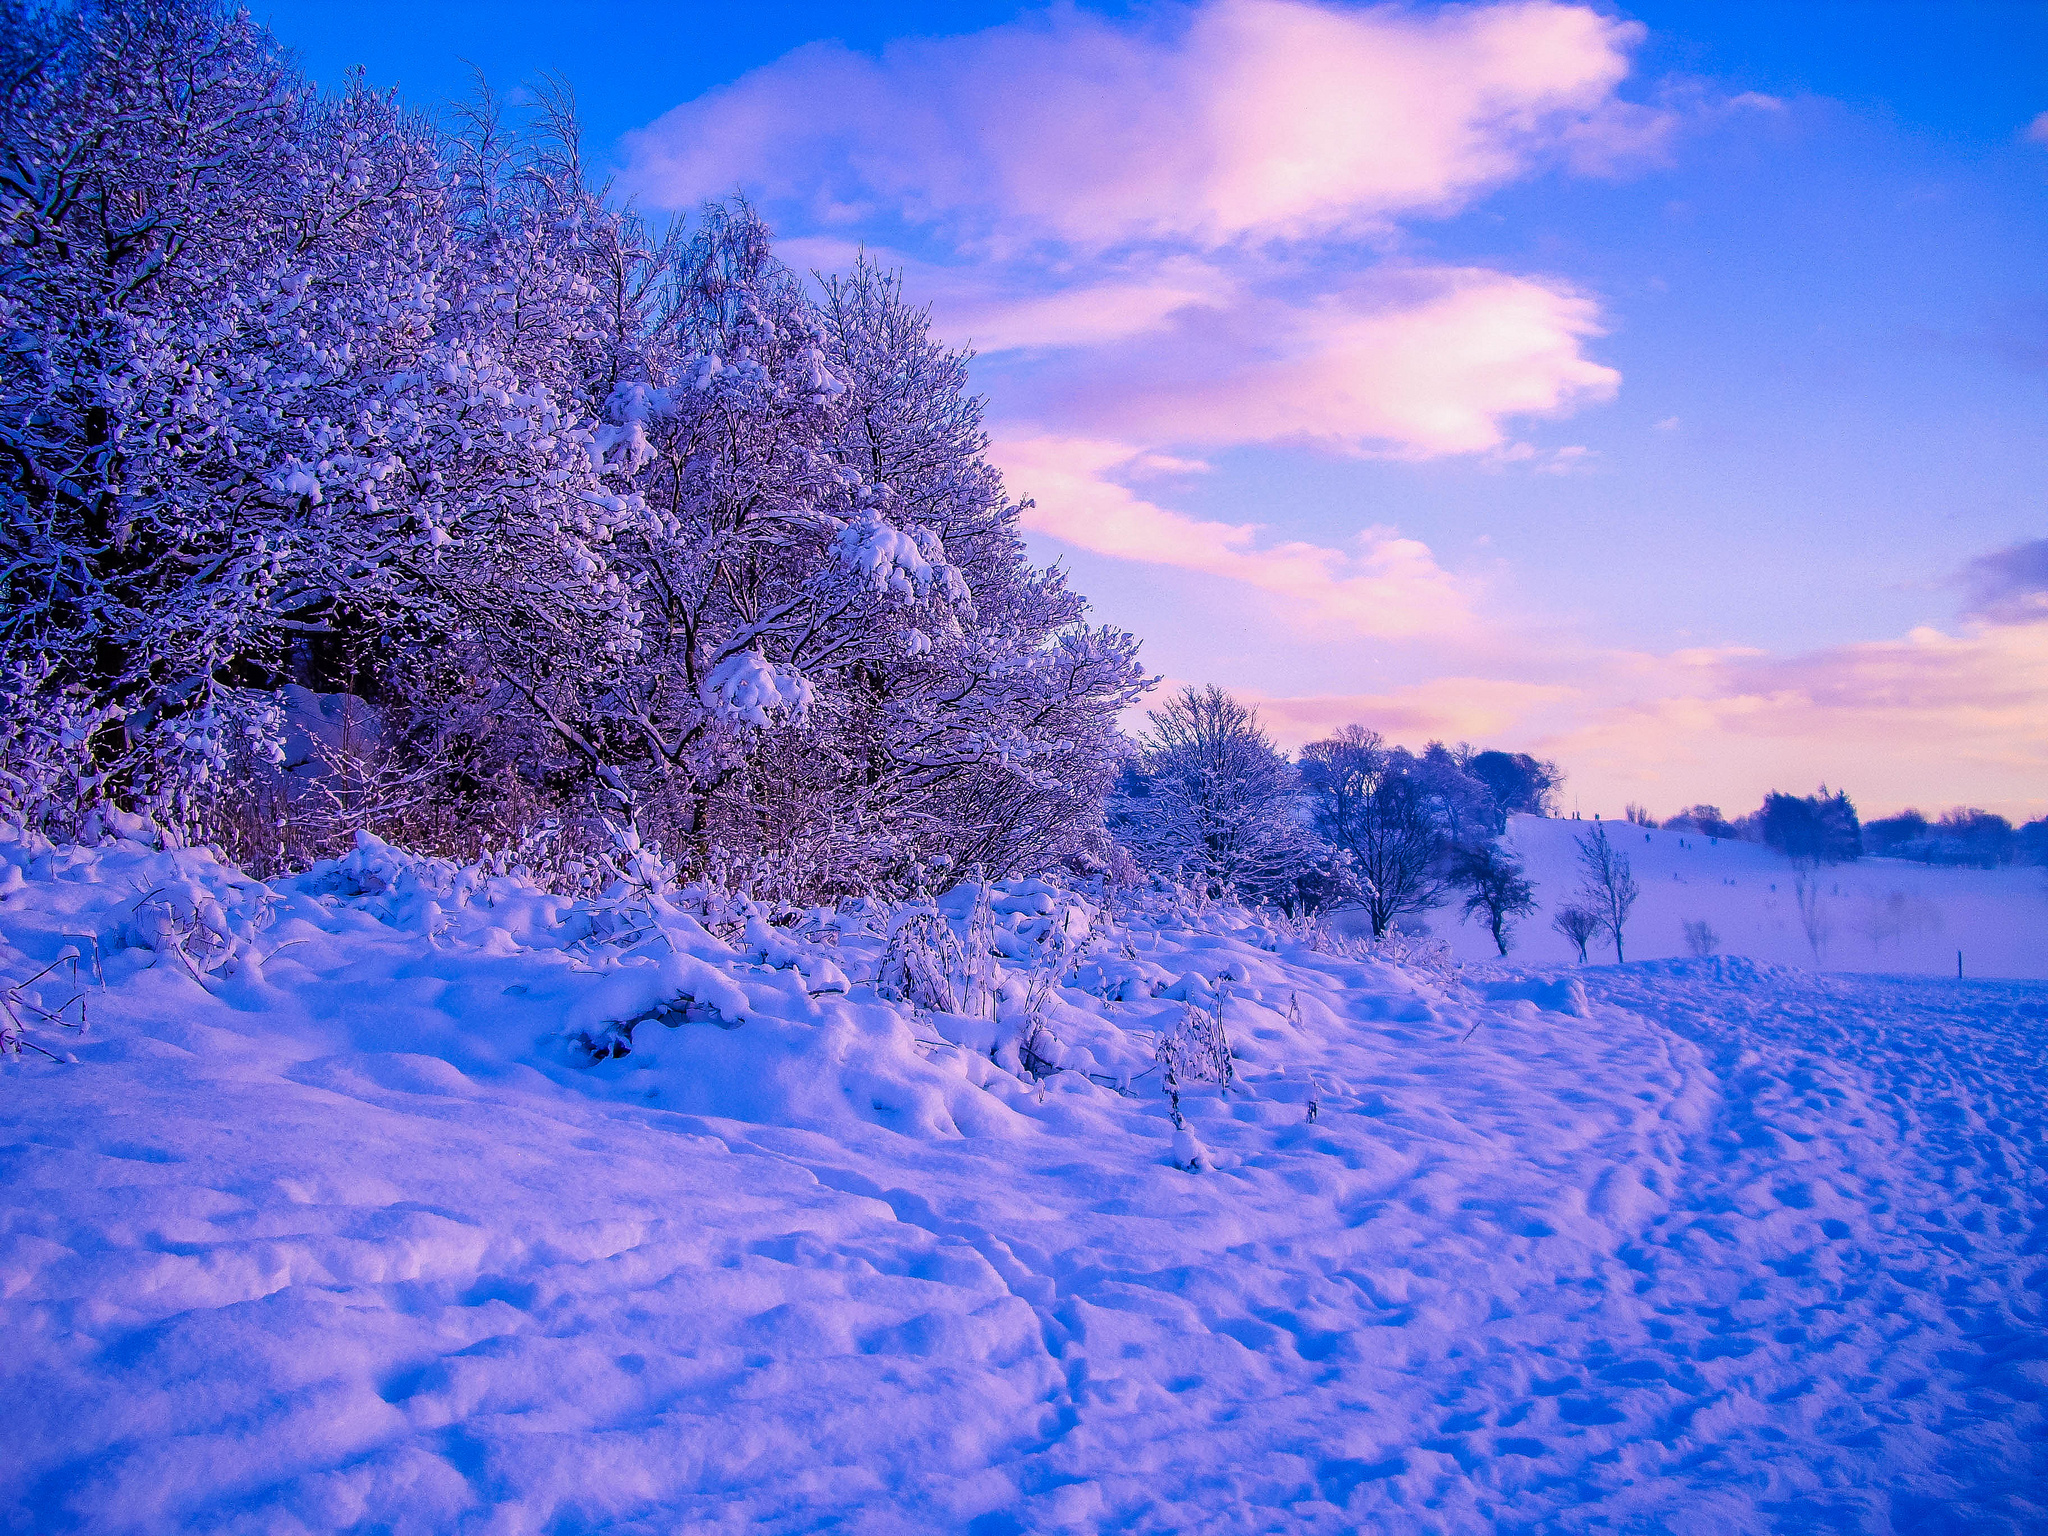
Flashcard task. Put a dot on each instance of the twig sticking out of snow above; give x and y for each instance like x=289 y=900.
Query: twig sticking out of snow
x=1198 y=1051
x=921 y=961
x=19 y=1008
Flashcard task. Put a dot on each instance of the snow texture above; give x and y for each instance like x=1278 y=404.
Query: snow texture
x=747 y=688
x=349 y=1215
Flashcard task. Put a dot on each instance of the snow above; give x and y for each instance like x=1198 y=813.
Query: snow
x=1886 y=915
x=334 y=1225
x=904 y=565
x=748 y=688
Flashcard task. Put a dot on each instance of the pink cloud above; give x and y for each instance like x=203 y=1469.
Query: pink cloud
x=996 y=309
x=1089 y=314
x=1386 y=586
x=1415 y=362
x=1884 y=719
x=1442 y=709
x=1233 y=119
x=1408 y=360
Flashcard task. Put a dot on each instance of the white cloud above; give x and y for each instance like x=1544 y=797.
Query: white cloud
x=1385 y=585
x=1233 y=119
x=1412 y=362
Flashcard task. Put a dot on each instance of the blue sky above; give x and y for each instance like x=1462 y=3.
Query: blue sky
x=1635 y=385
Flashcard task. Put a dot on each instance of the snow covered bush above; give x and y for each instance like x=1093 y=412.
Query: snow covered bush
x=1197 y=1048
x=52 y=1000
x=923 y=963
x=51 y=781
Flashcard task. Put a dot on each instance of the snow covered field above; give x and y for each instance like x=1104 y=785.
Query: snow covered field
x=1881 y=915
x=331 y=1226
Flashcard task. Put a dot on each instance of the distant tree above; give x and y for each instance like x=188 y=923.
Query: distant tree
x=1518 y=782
x=1706 y=820
x=1208 y=798
x=1606 y=887
x=2032 y=841
x=1892 y=833
x=1975 y=837
x=1639 y=816
x=1459 y=800
x=1578 y=924
x=1494 y=884
x=1963 y=836
x=1841 y=832
x=1701 y=939
x=1368 y=805
x=1820 y=828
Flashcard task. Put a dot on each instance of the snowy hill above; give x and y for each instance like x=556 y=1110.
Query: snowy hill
x=1883 y=915
x=408 y=1198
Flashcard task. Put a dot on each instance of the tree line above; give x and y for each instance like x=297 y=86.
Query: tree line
x=363 y=470
x=1205 y=797
x=1823 y=827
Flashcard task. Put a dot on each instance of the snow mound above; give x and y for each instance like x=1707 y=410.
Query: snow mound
x=1562 y=994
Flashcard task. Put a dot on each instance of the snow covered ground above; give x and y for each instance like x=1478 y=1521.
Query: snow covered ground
x=1880 y=915
x=332 y=1225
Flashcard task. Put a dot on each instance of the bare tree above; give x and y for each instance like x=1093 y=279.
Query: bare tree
x=1606 y=887
x=1816 y=917
x=1578 y=924
x=1367 y=807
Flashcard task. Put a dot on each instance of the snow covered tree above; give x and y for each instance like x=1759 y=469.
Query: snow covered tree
x=304 y=392
x=258 y=401
x=808 y=639
x=1208 y=798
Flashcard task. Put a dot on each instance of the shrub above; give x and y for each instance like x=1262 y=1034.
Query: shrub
x=1578 y=924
